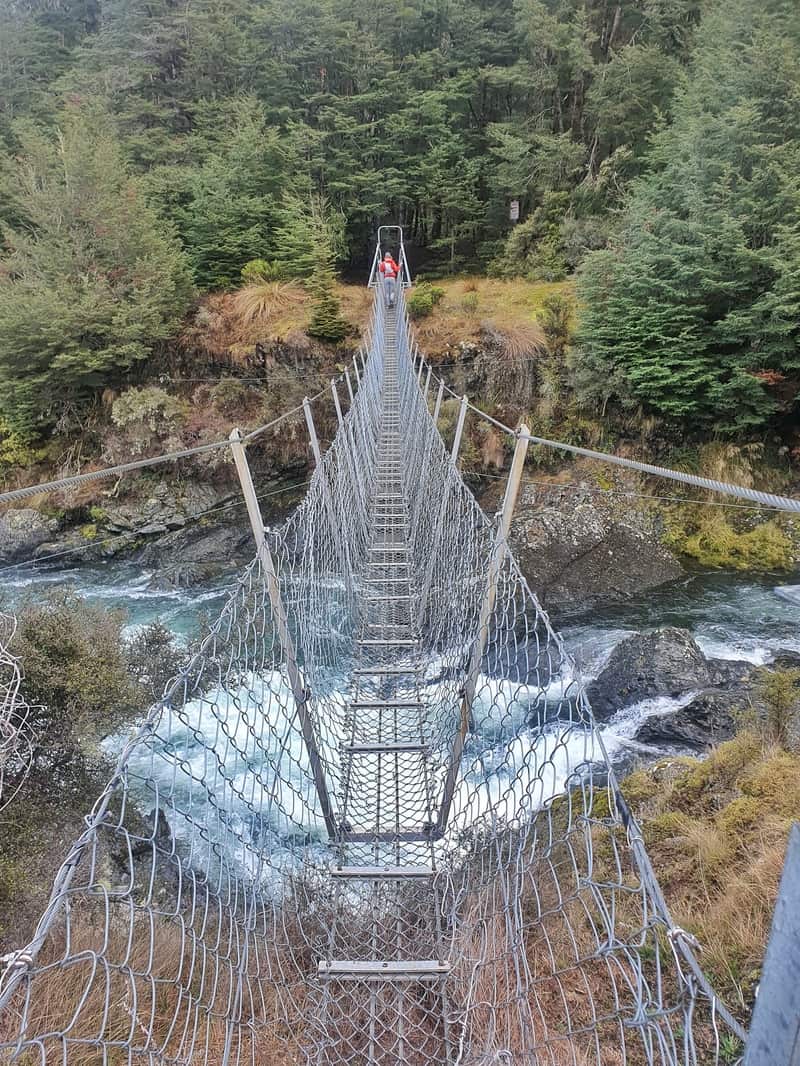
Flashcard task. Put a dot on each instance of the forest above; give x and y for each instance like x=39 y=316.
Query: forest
x=150 y=150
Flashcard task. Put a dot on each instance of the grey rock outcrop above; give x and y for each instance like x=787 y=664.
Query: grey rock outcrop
x=576 y=547
x=664 y=662
x=708 y=719
x=22 y=531
x=168 y=507
x=188 y=556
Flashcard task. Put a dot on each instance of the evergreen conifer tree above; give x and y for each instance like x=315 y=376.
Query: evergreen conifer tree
x=90 y=283
x=326 y=323
x=693 y=314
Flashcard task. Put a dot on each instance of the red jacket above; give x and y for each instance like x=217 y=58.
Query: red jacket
x=389 y=268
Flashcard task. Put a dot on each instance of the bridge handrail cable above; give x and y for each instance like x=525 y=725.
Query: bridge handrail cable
x=727 y=488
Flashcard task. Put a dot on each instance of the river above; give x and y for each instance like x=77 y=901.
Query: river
x=730 y=615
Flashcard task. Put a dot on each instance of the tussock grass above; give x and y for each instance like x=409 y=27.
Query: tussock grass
x=716 y=831
x=509 y=307
x=227 y=326
x=260 y=303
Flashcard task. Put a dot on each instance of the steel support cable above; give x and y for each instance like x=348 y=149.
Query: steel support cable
x=690 y=500
x=765 y=499
x=12 y=495
x=532 y=920
x=102 y=541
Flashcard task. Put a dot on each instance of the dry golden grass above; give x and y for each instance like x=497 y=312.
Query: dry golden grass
x=261 y=303
x=227 y=326
x=560 y=1004
x=716 y=832
x=508 y=307
x=130 y=997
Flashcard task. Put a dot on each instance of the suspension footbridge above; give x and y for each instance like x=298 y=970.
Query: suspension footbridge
x=372 y=821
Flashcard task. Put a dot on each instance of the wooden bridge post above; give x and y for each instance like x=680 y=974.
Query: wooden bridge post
x=302 y=696
x=438 y=405
x=426 y=584
x=499 y=550
x=344 y=556
x=349 y=450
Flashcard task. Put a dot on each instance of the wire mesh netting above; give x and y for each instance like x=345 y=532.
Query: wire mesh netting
x=385 y=833
x=16 y=729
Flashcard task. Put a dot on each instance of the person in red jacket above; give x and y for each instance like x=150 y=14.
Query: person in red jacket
x=390 y=272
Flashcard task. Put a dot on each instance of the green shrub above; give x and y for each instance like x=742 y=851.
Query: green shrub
x=229 y=396
x=259 y=270
x=15 y=449
x=77 y=677
x=149 y=406
x=423 y=300
x=555 y=318
x=712 y=541
x=780 y=691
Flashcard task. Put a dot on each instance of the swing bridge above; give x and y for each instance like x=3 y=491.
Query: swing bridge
x=372 y=821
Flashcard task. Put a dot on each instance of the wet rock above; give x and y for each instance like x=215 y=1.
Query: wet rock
x=576 y=547
x=727 y=672
x=664 y=662
x=186 y=575
x=187 y=556
x=23 y=531
x=708 y=719
x=152 y=528
x=786 y=659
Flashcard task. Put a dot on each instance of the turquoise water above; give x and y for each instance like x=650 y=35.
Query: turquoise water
x=730 y=615
x=125 y=586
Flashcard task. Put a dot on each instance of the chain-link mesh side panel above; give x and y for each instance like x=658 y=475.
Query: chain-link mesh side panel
x=386 y=833
x=185 y=922
x=561 y=947
x=16 y=730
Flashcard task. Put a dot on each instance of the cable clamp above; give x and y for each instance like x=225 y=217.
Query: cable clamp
x=677 y=933
x=16 y=960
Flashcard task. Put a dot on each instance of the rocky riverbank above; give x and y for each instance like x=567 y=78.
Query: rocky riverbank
x=186 y=532
x=715 y=697
x=579 y=545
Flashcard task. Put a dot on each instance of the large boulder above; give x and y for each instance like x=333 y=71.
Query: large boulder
x=664 y=662
x=576 y=547
x=22 y=531
x=188 y=556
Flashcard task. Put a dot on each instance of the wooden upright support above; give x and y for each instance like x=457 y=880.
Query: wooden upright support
x=499 y=550
x=342 y=549
x=426 y=583
x=302 y=696
x=438 y=405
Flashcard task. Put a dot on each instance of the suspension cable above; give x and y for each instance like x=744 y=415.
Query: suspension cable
x=689 y=500
x=12 y=495
x=764 y=499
